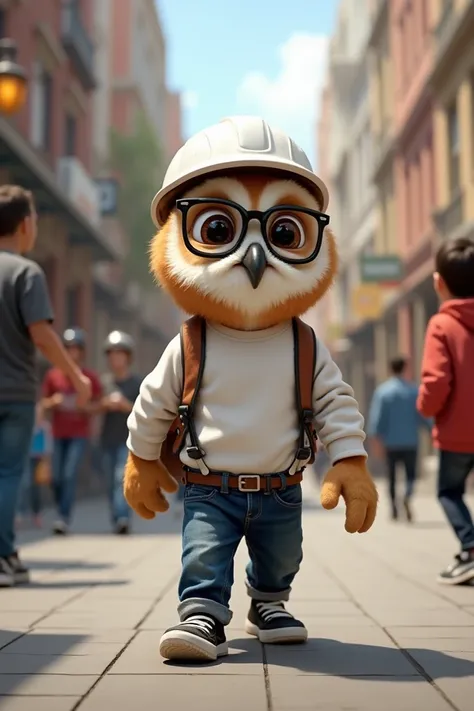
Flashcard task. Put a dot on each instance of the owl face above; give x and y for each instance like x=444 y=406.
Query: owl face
x=246 y=250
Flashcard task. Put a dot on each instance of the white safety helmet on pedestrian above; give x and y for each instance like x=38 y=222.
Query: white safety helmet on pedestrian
x=235 y=142
x=119 y=341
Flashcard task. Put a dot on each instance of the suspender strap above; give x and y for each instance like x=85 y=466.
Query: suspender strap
x=304 y=342
x=193 y=357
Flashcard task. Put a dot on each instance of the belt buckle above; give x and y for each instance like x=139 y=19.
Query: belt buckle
x=245 y=477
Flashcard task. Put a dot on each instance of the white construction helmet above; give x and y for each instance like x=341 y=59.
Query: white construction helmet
x=235 y=142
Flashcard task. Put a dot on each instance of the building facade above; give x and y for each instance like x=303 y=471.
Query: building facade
x=47 y=147
x=345 y=146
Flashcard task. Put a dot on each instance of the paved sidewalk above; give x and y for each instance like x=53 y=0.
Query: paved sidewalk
x=383 y=634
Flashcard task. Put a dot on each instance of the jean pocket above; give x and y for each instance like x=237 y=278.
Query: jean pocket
x=291 y=497
x=196 y=492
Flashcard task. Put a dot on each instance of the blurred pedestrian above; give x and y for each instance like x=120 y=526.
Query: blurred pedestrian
x=447 y=394
x=71 y=426
x=121 y=387
x=394 y=425
x=38 y=470
x=25 y=318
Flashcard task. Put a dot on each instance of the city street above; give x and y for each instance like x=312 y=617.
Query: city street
x=382 y=632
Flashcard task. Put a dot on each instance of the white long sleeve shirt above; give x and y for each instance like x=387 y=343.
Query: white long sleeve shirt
x=245 y=416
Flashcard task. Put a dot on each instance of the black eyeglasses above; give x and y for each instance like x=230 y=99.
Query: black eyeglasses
x=220 y=227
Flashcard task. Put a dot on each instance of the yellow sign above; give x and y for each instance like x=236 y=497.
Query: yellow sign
x=367 y=302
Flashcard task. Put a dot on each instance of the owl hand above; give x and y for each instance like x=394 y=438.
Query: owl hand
x=351 y=479
x=142 y=485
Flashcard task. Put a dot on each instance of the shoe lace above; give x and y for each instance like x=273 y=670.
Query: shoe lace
x=269 y=611
x=202 y=622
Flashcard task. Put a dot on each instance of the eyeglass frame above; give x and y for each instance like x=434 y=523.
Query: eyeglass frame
x=184 y=204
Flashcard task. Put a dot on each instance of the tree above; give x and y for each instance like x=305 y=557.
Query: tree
x=137 y=159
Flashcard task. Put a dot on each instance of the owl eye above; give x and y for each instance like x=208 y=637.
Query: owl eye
x=287 y=232
x=214 y=228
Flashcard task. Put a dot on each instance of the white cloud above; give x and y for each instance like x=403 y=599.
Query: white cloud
x=190 y=99
x=291 y=100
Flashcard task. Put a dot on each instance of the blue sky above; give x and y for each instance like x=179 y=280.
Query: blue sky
x=246 y=56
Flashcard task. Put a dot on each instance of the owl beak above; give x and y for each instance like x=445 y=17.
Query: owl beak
x=255 y=263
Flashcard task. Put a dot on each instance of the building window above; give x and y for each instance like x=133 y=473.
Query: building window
x=70 y=135
x=41 y=107
x=72 y=307
x=454 y=148
x=2 y=23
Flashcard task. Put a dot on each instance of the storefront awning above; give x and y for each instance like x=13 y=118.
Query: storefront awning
x=28 y=170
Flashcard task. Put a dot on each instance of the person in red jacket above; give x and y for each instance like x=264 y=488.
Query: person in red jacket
x=70 y=426
x=447 y=393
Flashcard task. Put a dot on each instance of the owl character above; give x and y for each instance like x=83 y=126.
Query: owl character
x=243 y=243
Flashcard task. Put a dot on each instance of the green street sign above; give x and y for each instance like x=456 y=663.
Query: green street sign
x=381 y=269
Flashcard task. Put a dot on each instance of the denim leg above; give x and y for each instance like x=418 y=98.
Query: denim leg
x=24 y=491
x=57 y=464
x=72 y=460
x=35 y=490
x=118 y=459
x=16 y=430
x=213 y=526
x=454 y=468
x=410 y=460
x=392 y=459
x=274 y=538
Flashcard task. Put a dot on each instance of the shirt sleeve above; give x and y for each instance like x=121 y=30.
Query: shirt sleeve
x=436 y=371
x=97 y=388
x=35 y=304
x=337 y=419
x=156 y=405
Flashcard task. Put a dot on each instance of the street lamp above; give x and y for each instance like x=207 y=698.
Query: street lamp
x=13 y=80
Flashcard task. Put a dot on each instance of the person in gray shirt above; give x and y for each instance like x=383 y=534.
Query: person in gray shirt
x=25 y=324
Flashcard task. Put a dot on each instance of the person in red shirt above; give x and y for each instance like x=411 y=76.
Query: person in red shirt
x=447 y=393
x=70 y=426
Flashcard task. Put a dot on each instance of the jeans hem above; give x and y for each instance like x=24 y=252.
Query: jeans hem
x=201 y=605
x=468 y=546
x=282 y=595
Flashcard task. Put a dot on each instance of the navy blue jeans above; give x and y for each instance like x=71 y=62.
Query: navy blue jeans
x=407 y=458
x=17 y=420
x=213 y=526
x=114 y=465
x=67 y=456
x=30 y=492
x=454 y=468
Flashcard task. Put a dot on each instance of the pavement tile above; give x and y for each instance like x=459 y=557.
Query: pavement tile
x=441 y=665
x=142 y=657
x=54 y=664
x=66 y=645
x=6 y=636
x=334 y=658
x=127 y=619
x=439 y=644
x=431 y=632
x=18 y=620
x=191 y=690
x=84 y=635
x=459 y=691
x=45 y=684
x=333 y=693
x=400 y=616
x=38 y=703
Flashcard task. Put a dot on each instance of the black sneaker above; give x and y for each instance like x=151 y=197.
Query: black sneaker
x=7 y=579
x=60 y=528
x=199 y=637
x=460 y=571
x=272 y=624
x=21 y=574
x=122 y=527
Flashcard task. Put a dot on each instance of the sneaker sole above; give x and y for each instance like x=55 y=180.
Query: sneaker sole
x=458 y=580
x=285 y=635
x=181 y=645
x=6 y=581
x=21 y=578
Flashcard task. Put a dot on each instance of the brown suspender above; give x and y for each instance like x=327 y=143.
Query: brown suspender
x=193 y=350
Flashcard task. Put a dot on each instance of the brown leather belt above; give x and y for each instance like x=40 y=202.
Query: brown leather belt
x=249 y=483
